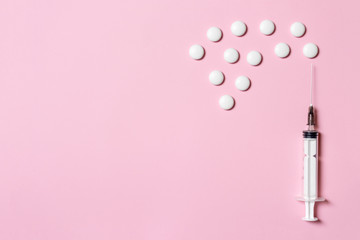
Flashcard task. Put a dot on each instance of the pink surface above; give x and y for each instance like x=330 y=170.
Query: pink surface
x=109 y=130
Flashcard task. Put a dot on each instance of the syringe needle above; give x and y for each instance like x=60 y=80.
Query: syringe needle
x=311 y=115
x=311 y=83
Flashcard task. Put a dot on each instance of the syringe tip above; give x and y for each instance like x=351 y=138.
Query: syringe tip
x=311 y=116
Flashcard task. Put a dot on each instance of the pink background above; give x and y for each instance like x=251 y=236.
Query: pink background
x=109 y=130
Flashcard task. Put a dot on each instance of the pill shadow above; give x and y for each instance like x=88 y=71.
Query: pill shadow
x=222 y=35
x=222 y=81
x=273 y=31
x=317 y=52
x=236 y=60
x=248 y=87
x=261 y=61
x=246 y=31
x=304 y=33
x=232 y=106
x=202 y=56
x=288 y=54
x=320 y=176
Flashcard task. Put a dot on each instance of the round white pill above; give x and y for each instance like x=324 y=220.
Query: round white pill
x=267 y=27
x=242 y=83
x=216 y=77
x=231 y=55
x=226 y=102
x=238 y=28
x=310 y=50
x=254 y=58
x=282 y=50
x=196 y=52
x=298 y=29
x=214 y=34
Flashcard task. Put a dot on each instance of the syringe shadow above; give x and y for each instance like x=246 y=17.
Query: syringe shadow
x=320 y=178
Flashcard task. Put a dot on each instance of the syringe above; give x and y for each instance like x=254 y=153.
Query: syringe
x=310 y=138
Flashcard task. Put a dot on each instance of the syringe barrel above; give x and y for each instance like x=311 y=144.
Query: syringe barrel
x=310 y=164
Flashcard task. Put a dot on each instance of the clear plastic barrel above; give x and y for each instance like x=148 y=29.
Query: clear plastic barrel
x=310 y=169
x=310 y=177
